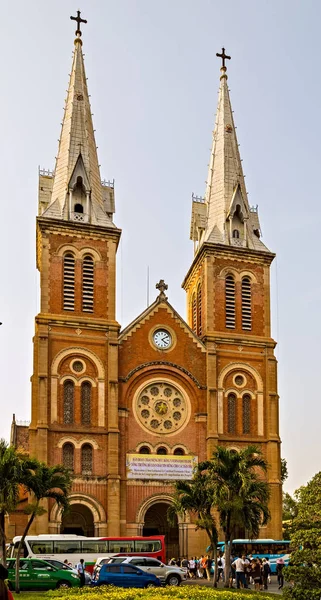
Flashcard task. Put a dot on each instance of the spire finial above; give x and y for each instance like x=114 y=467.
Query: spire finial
x=161 y=286
x=223 y=56
x=79 y=20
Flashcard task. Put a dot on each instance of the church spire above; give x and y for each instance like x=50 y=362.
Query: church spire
x=76 y=187
x=224 y=215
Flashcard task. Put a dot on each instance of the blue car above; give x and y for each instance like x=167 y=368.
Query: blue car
x=124 y=575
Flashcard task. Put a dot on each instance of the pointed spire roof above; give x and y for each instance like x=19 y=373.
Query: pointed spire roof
x=77 y=152
x=225 y=208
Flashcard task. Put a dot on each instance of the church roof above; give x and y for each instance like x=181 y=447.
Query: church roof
x=160 y=302
x=77 y=152
x=226 y=194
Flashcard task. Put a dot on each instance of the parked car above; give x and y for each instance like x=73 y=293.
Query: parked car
x=167 y=574
x=39 y=574
x=124 y=575
x=64 y=566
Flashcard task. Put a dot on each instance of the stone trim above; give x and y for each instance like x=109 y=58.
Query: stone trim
x=165 y=364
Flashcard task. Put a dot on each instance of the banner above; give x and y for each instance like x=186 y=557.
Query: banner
x=158 y=466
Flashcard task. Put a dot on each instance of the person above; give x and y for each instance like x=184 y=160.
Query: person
x=192 y=572
x=172 y=562
x=220 y=567
x=81 y=572
x=279 y=572
x=185 y=564
x=239 y=565
x=203 y=565
x=178 y=562
x=231 y=572
x=5 y=593
x=265 y=572
x=208 y=567
x=256 y=573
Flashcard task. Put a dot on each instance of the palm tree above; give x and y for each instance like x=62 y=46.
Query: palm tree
x=11 y=473
x=43 y=482
x=196 y=497
x=241 y=494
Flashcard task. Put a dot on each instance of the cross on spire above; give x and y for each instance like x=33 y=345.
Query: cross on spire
x=223 y=56
x=79 y=20
x=162 y=286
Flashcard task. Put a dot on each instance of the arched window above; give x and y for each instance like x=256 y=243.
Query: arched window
x=78 y=208
x=236 y=233
x=161 y=450
x=231 y=413
x=246 y=413
x=69 y=282
x=86 y=459
x=69 y=392
x=199 y=310
x=88 y=284
x=179 y=452
x=86 y=403
x=68 y=456
x=230 y=302
x=246 y=304
x=144 y=450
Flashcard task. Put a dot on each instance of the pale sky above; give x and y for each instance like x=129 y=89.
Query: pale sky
x=153 y=78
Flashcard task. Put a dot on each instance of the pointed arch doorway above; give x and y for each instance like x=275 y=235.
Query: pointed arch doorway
x=156 y=523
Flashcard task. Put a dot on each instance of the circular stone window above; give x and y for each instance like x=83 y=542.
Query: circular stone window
x=78 y=366
x=161 y=408
x=239 y=380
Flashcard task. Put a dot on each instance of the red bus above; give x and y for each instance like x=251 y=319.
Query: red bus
x=75 y=547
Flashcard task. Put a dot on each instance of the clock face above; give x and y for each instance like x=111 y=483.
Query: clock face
x=162 y=339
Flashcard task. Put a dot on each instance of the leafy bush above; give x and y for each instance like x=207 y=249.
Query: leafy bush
x=179 y=593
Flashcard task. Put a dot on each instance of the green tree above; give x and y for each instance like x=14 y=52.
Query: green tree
x=43 y=482
x=305 y=569
x=196 y=497
x=284 y=470
x=13 y=466
x=241 y=494
x=289 y=512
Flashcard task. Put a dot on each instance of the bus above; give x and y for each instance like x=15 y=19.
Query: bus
x=75 y=547
x=269 y=549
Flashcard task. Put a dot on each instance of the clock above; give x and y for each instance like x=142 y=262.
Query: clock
x=162 y=339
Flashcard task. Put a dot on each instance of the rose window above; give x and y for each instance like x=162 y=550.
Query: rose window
x=162 y=408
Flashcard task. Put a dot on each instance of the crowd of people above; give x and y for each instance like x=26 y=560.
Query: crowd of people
x=244 y=570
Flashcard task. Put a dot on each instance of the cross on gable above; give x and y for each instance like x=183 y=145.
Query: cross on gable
x=223 y=56
x=79 y=20
x=162 y=286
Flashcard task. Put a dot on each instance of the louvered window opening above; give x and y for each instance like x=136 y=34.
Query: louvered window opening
x=199 y=310
x=246 y=304
x=231 y=413
x=85 y=403
x=69 y=402
x=69 y=282
x=246 y=413
x=230 y=302
x=68 y=456
x=86 y=460
x=194 y=313
x=88 y=284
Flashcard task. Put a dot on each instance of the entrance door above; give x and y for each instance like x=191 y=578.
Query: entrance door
x=156 y=523
x=78 y=520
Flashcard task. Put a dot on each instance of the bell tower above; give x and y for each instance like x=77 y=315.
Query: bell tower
x=74 y=381
x=228 y=307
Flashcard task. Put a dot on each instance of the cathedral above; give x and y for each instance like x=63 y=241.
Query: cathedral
x=131 y=409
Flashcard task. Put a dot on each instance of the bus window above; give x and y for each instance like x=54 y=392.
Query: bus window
x=147 y=546
x=94 y=547
x=41 y=547
x=71 y=547
x=124 y=546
